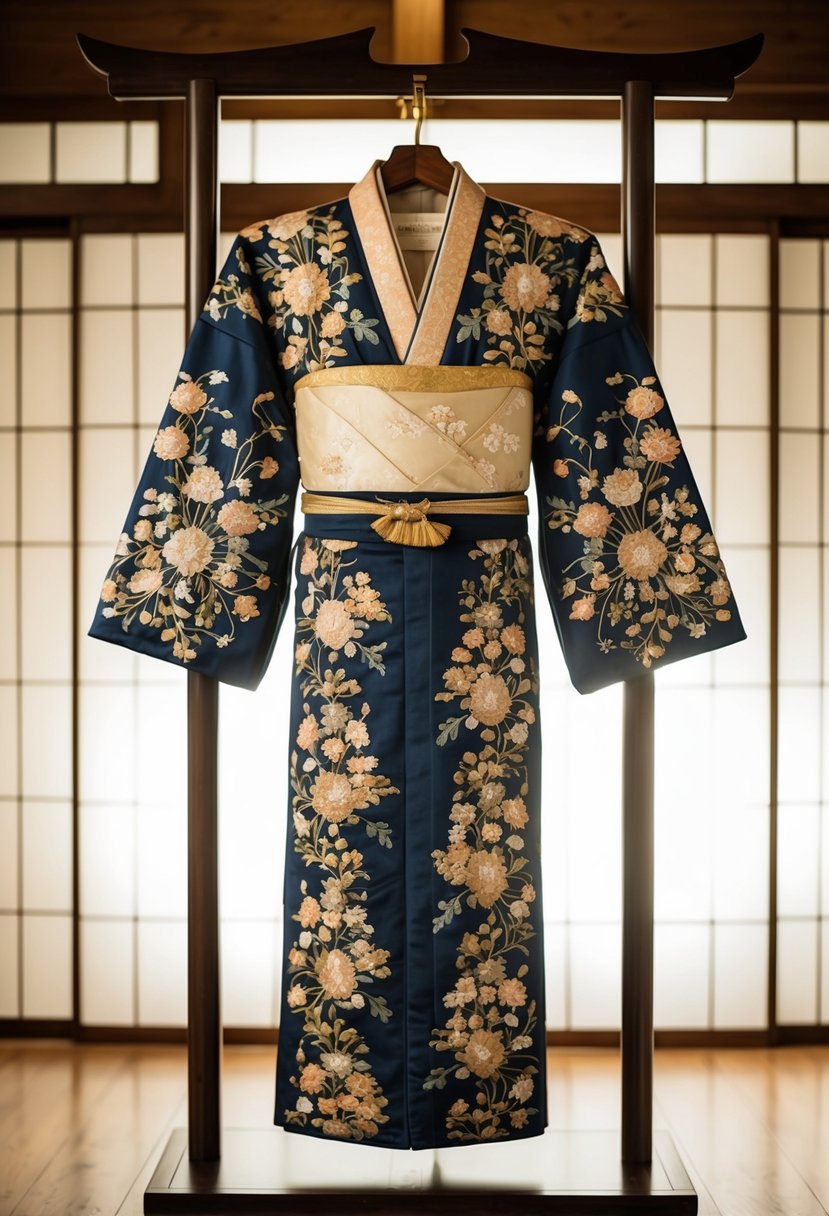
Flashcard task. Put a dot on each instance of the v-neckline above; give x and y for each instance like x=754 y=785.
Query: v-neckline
x=419 y=326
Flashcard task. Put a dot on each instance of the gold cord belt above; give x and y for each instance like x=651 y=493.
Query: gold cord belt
x=405 y=523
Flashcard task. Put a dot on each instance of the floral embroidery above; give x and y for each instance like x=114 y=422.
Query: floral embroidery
x=492 y=1019
x=333 y=963
x=189 y=560
x=529 y=260
x=645 y=565
x=310 y=280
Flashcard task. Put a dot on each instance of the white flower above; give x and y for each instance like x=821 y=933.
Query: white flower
x=229 y=438
x=217 y=377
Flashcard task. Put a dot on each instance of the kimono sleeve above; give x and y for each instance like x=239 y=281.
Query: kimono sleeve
x=200 y=575
x=627 y=552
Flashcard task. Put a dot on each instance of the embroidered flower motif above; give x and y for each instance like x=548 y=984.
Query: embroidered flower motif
x=306 y=289
x=171 y=443
x=204 y=485
x=189 y=550
x=641 y=554
x=188 y=397
x=623 y=488
x=592 y=519
x=525 y=287
x=660 y=445
x=333 y=796
x=333 y=625
x=337 y=975
x=288 y=225
x=484 y=1053
x=643 y=402
x=489 y=699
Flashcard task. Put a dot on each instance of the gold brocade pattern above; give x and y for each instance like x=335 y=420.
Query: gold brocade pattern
x=409 y=377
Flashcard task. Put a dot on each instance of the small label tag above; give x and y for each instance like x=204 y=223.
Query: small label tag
x=418 y=229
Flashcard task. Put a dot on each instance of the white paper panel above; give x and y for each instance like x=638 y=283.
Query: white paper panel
x=742 y=276
x=8 y=635
x=555 y=975
x=46 y=273
x=800 y=614
x=90 y=151
x=47 y=857
x=107 y=949
x=742 y=368
x=678 y=150
x=24 y=151
x=824 y=973
x=106 y=269
x=741 y=860
x=46 y=371
x=799 y=274
x=45 y=624
x=748 y=661
x=106 y=486
x=9 y=1006
x=250 y=985
x=739 y=770
x=107 y=860
x=8 y=361
x=162 y=974
x=45 y=476
x=741 y=505
x=161 y=732
x=8 y=487
x=824 y=834
x=161 y=339
x=797 y=957
x=740 y=976
x=750 y=151
x=150 y=671
x=800 y=521
x=47 y=741
x=812 y=151
x=236 y=150
x=799 y=369
x=9 y=894
x=798 y=743
x=107 y=744
x=143 y=151
x=98 y=660
x=161 y=861
x=106 y=372
x=160 y=268
x=595 y=977
x=798 y=860
x=683 y=268
x=8 y=739
x=47 y=966
x=681 y=976
x=683 y=355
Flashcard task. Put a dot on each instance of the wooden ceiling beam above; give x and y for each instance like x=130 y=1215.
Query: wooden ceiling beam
x=418 y=31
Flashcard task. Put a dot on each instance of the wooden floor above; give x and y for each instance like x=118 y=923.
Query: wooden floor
x=82 y=1127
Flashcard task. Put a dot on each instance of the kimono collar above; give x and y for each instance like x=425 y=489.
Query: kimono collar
x=419 y=330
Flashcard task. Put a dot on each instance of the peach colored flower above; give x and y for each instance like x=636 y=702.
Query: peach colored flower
x=189 y=550
x=525 y=287
x=245 y=607
x=360 y=1084
x=515 y=811
x=145 y=582
x=583 y=609
x=498 y=321
x=484 y=1053
x=333 y=796
x=333 y=323
x=109 y=590
x=306 y=289
x=188 y=397
x=512 y=992
x=236 y=518
x=332 y=624
x=593 y=519
x=643 y=402
x=486 y=876
x=308 y=732
x=171 y=443
x=312 y=1078
x=337 y=975
x=660 y=445
x=296 y=996
x=283 y=227
x=246 y=303
x=682 y=584
x=622 y=487
x=685 y=562
x=560 y=468
x=720 y=592
x=513 y=638
x=204 y=484
x=641 y=554
x=309 y=912
x=270 y=468
x=489 y=699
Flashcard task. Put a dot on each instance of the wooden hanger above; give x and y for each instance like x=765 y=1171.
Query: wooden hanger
x=417 y=163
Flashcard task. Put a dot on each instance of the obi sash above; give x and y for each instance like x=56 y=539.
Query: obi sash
x=390 y=428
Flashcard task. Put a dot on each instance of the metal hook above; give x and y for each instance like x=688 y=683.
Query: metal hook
x=418 y=103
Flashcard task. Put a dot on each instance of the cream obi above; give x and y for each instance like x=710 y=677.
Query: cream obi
x=389 y=427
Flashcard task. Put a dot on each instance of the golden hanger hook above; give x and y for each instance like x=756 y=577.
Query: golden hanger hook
x=418 y=103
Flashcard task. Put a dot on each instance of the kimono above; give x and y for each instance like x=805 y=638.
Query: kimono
x=413 y=974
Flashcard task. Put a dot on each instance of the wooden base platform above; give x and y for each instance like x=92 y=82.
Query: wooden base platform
x=271 y=1172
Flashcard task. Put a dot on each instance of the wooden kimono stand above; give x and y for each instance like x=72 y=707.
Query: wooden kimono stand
x=268 y=1170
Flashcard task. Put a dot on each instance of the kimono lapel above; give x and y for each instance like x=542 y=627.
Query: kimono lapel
x=419 y=329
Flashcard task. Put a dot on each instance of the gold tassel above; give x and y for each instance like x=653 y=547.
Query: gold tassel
x=405 y=523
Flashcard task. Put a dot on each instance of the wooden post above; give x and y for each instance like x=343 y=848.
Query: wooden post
x=204 y=1020
x=638 y=234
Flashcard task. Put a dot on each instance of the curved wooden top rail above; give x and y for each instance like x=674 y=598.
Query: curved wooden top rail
x=494 y=67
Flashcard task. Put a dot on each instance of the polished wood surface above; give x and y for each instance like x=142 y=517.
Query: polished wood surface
x=82 y=1128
